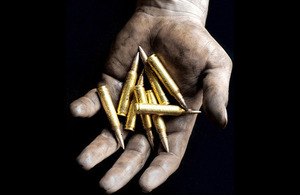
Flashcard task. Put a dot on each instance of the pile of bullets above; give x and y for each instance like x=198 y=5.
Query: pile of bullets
x=151 y=104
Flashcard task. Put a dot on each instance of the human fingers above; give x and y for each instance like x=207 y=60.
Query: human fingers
x=99 y=149
x=89 y=104
x=162 y=166
x=128 y=165
x=216 y=78
x=166 y=163
x=105 y=144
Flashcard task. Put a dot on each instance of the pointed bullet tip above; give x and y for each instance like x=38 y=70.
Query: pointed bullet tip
x=141 y=50
x=193 y=111
x=122 y=144
x=165 y=143
x=184 y=105
x=167 y=149
x=137 y=55
x=135 y=62
x=143 y=55
x=150 y=137
x=120 y=140
x=141 y=78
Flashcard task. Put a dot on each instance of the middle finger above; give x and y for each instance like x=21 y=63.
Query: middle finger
x=128 y=165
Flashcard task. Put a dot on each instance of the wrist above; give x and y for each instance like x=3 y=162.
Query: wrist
x=194 y=8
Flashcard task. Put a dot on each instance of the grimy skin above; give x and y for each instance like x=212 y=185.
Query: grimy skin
x=175 y=31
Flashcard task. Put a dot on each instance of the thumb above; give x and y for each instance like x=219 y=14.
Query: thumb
x=216 y=86
x=118 y=64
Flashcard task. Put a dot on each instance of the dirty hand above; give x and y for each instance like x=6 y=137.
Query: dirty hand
x=175 y=32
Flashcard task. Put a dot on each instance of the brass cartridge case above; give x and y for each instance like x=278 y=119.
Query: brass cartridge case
x=158 y=122
x=159 y=109
x=166 y=79
x=128 y=87
x=110 y=111
x=131 y=117
x=140 y=95
x=157 y=89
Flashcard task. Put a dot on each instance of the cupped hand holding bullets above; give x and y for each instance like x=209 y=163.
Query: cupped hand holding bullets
x=144 y=103
x=198 y=76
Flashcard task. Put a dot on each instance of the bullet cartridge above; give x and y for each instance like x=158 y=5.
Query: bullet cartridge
x=158 y=122
x=110 y=111
x=157 y=89
x=140 y=95
x=166 y=79
x=128 y=87
x=131 y=116
x=159 y=109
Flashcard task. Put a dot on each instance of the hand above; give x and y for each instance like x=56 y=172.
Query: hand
x=196 y=62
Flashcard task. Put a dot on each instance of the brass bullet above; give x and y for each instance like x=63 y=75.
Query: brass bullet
x=131 y=117
x=165 y=78
x=158 y=122
x=140 y=95
x=157 y=89
x=111 y=114
x=159 y=109
x=128 y=87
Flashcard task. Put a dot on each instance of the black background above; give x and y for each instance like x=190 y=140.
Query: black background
x=208 y=164
x=53 y=52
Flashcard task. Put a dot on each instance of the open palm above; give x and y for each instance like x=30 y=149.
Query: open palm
x=196 y=62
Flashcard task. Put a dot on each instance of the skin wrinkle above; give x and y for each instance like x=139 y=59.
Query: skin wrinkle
x=93 y=98
x=95 y=152
x=180 y=56
x=131 y=39
x=86 y=100
x=117 y=64
x=166 y=168
x=161 y=167
x=132 y=169
x=179 y=147
x=111 y=142
x=138 y=149
x=81 y=107
x=146 y=8
x=171 y=154
x=137 y=154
